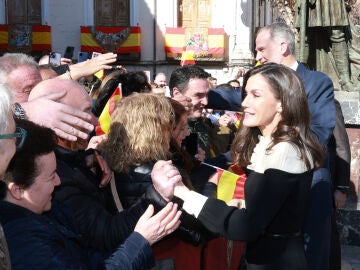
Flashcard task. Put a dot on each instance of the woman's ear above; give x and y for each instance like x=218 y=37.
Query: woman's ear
x=15 y=191
x=279 y=108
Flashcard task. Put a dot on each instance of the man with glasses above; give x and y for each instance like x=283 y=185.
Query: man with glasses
x=7 y=150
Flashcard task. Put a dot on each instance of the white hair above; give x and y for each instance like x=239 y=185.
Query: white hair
x=6 y=101
x=12 y=61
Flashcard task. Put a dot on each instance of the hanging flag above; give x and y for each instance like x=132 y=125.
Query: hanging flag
x=105 y=117
x=187 y=58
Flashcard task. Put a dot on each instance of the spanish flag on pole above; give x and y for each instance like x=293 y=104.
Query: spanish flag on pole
x=105 y=117
x=187 y=58
x=230 y=183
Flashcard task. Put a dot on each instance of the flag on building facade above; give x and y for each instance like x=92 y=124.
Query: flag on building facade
x=40 y=38
x=103 y=126
x=129 y=43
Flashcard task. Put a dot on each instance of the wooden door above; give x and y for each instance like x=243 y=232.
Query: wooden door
x=194 y=13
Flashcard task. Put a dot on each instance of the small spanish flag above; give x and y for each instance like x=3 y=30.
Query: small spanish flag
x=105 y=117
x=230 y=183
x=237 y=117
x=100 y=74
x=187 y=58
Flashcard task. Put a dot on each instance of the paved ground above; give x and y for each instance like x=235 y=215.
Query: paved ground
x=350 y=257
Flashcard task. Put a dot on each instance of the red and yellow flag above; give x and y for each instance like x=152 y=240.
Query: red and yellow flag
x=237 y=117
x=40 y=37
x=187 y=58
x=105 y=117
x=230 y=185
x=132 y=44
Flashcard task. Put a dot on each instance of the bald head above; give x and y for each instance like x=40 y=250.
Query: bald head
x=75 y=95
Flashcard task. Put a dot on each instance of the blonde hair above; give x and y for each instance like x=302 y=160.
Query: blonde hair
x=140 y=131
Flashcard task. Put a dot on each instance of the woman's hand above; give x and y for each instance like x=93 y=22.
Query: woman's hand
x=164 y=177
x=153 y=228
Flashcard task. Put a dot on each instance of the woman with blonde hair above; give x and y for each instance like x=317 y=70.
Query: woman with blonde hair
x=140 y=133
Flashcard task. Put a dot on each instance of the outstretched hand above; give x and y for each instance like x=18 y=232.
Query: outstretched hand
x=164 y=177
x=61 y=118
x=92 y=65
x=153 y=228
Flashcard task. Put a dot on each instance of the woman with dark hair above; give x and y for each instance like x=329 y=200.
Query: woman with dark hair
x=277 y=150
x=42 y=233
x=130 y=82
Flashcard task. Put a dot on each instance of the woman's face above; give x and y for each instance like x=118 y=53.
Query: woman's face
x=261 y=108
x=37 y=197
x=181 y=130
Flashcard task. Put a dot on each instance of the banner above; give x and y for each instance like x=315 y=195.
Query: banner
x=207 y=44
x=119 y=40
x=25 y=38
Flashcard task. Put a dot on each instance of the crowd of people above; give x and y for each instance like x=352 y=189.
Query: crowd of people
x=144 y=194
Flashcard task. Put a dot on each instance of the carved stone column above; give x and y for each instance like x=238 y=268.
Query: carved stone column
x=240 y=53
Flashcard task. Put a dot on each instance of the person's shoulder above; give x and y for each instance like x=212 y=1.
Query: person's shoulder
x=308 y=73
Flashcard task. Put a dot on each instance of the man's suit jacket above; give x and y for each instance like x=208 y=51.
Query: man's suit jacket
x=320 y=93
x=317 y=228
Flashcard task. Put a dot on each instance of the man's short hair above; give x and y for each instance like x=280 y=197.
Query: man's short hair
x=181 y=76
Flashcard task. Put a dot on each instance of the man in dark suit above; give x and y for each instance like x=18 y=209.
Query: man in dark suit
x=276 y=43
x=340 y=157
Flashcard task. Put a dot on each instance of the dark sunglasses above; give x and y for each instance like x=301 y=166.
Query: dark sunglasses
x=19 y=134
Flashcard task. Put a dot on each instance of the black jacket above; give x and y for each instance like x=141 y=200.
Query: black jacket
x=101 y=226
x=137 y=184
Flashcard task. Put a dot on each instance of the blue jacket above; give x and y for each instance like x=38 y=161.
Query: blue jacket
x=52 y=241
x=221 y=99
x=320 y=93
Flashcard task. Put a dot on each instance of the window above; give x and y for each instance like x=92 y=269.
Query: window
x=23 y=11
x=112 y=12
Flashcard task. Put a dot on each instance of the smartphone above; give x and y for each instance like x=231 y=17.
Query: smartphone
x=95 y=54
x=69 y=52
x=83 y=56
x=55 y=59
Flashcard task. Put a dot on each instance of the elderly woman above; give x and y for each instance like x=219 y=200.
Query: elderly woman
x=42 y=233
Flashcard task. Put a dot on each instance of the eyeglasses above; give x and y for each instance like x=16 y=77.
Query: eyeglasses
x=19 y=134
